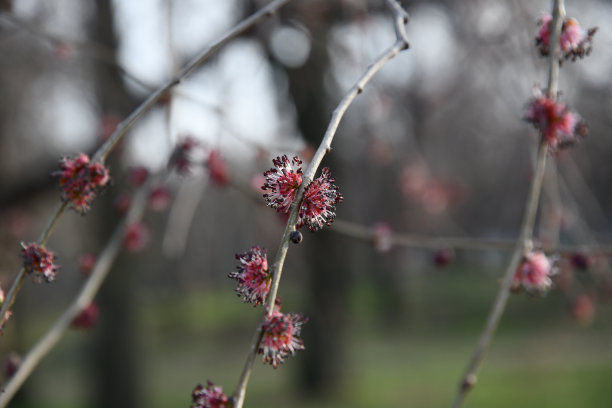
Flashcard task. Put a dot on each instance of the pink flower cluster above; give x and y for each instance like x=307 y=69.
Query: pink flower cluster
x=182 y=156
x=39 y=262
x=217 y=168
x=210 y=397
x=318 y=207
x=559 y=126
x=282 y=182
x=575 y=42
x=80 y=180
x=281 y=336
x=253 y=276
x=534 y=273
x=87 y=318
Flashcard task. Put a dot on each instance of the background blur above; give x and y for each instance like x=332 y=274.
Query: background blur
x=435 y=146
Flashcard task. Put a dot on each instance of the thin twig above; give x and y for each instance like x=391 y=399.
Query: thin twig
x=192 y=66
x=18 y=282
x=524 y=243
x=368 y=234
x=83 y=299
x=401 y=43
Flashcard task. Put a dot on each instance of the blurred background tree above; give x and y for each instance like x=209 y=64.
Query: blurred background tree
x=435 y=146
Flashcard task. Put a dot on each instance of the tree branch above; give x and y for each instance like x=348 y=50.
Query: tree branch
x=526 y=232
x=401 y=43
x=83 y=299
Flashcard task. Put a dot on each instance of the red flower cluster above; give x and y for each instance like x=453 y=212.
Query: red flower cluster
x=181 y=159
x=282 y=182
x=80 y=179
x=253 y=276
x=575 y=42
x=210 y=397
x=87 y=318
x=136 y=237
x=560 y=126
x=86 y=263
x=318 y=206
x=159 y=198
x=39 y=262
x=281 y=336
x=217 y=168
x=533 y=274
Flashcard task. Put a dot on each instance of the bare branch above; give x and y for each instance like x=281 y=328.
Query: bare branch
x=524 y=243
x=400 y=44
x=83 y=299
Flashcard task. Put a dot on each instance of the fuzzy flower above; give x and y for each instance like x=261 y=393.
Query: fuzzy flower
x=159 y=198
x=575 y=42
x=319 y=204
x=39 y=262
x=87 y=318
x=281 y=336
x=560 y=126
x=210 y=397
x=86 y=263
x=11 y=364
x=217 y=168
x=80 y=180
x=182 y=157
x=253 y=276
x=136 y=237
x=138 y=175
x=282 y=182
x=533 y=274
x=443 y=257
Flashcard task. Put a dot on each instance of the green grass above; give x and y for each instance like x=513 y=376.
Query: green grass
x=538 y=359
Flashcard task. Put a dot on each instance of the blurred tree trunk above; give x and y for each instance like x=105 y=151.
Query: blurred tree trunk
x=116 y=372
x=327 y=271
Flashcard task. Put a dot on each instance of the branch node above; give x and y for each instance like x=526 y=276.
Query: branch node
x=469 y=382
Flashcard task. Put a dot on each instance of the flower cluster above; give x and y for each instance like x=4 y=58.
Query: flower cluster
x=253 y=276
x=282 y=182
x=280 y=336
x=182 y=156
x=87 y=318
x=318 y=207
x=575 y=42
x=217 y=168
x=39 y=262
x=533 y=274
x=559 y=126
x=210 y=397
x=136 y=237
x=79 y=181
x=319 y=204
